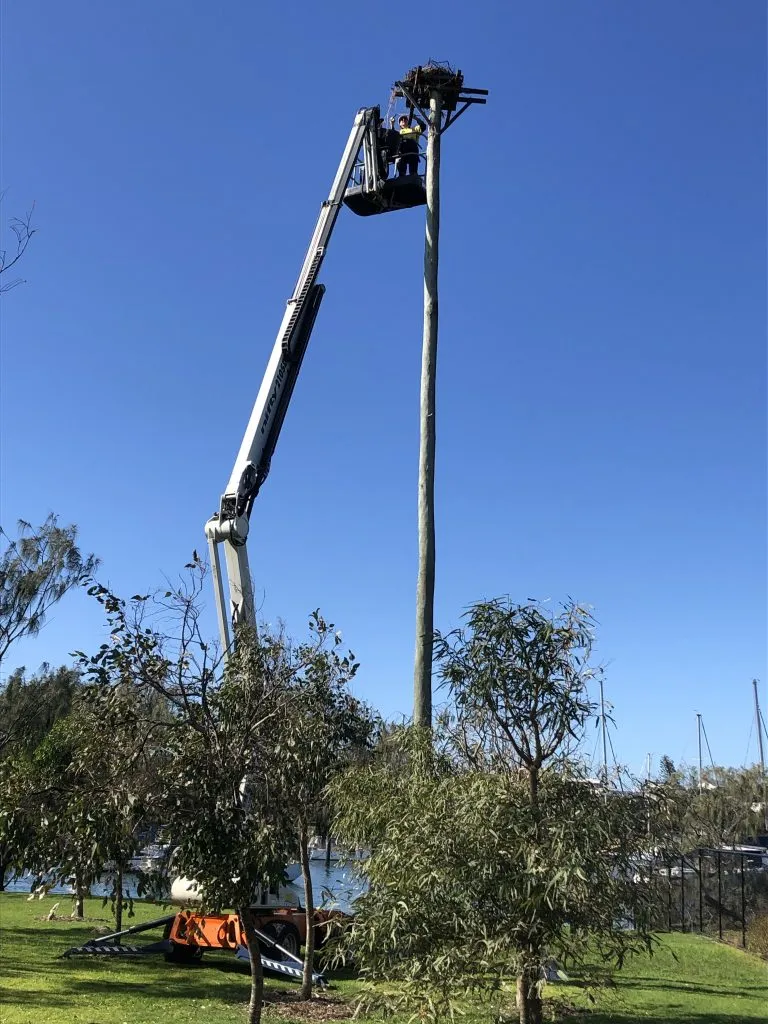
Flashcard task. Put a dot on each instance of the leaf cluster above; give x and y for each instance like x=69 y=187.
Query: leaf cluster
x=36 y=569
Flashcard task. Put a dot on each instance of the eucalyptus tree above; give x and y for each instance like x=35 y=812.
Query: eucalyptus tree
x=79 y=802
x=327 y=728
x=491 y=850
x=37 y=568
x=29 y=708
x=249 y=745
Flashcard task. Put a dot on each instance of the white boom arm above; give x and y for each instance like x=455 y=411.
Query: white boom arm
x=229 y=526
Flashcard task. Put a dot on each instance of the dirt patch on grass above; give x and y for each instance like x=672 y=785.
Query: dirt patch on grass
x=319 y=1007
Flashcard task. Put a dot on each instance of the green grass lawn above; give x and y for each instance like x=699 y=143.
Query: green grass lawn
x=689 y=980
x=37 y=985
x=707 y=984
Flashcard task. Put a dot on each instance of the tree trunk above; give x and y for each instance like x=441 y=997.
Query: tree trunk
x=119 y=903
x=257 y=971
x=529 y=1006
x=533 y=786
x=309 y=908
x=328 y=848
x=3 y=872
x=79 y=896
x=425 y=584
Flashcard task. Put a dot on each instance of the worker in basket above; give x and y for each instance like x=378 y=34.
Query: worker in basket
x=408 y=154
x=388 y=143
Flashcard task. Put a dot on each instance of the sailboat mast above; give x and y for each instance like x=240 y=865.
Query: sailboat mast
x=605 y=745
x=698 y=726
x=759 y=723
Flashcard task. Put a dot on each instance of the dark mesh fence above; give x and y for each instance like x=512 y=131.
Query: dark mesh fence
x=716 y=892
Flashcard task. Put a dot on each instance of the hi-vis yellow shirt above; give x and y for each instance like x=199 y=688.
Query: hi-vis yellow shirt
x=413 y=130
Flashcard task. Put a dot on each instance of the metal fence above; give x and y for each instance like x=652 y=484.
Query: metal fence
x=716 y=892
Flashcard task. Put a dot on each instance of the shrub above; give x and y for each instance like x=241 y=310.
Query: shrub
x=757 y=936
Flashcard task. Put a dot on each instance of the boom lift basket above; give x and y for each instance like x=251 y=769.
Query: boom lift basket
x=366 y=197
x=392 y=194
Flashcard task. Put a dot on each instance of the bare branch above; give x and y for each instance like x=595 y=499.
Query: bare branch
x=21 y=228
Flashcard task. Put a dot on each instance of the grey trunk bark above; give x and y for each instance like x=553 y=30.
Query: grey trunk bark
x=257 y=971
x=79 y=896
x=425 y=585
x=309 y=909
x=119 y=904
x=529 y=1005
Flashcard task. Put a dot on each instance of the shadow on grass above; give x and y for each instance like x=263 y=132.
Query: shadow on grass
x=174 y=982
x=672 y=985
x=661 y=1017
x=74 y=976
x=71 y=932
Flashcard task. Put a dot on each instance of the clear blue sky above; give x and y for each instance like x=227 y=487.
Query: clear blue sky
x=602 y=369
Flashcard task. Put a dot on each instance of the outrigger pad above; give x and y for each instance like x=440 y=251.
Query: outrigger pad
x=281 y=967
x=165 y=946
x=116 y=949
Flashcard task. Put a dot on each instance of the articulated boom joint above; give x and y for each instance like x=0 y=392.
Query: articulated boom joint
x=232 y=528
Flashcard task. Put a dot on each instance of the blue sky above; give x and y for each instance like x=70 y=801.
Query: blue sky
x=602 y=366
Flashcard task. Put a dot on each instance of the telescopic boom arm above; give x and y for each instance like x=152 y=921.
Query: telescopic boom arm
x=229 y=526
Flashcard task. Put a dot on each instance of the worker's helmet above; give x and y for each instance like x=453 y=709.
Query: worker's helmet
x=403 y=117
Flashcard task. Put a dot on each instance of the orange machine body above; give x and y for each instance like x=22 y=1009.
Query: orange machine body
x=225 y=931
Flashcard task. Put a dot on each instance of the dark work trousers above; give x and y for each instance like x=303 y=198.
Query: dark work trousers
x=408 y=159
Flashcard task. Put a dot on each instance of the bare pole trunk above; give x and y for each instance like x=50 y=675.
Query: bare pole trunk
x=425 y=586
x=309 y=909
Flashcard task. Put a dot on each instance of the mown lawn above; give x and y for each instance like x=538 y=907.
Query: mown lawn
x=708 y=983
x=690 y=980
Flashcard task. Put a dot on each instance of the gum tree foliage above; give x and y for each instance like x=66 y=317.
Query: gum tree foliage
x=82 y=798
x=29 y=707
x=726 y=809
x=230 y=789
x=16 y=835
x=327 y=728
x=491 y=851
x=37 y=568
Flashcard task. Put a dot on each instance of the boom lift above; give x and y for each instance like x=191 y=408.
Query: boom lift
x=362 y=184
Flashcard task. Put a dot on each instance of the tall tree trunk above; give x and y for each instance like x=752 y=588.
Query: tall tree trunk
x=425 y=584
x=529 y=1006
x=257 y=971
x=3 y=872
x=328 y=848
x=309 y=908
x=119 y=903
